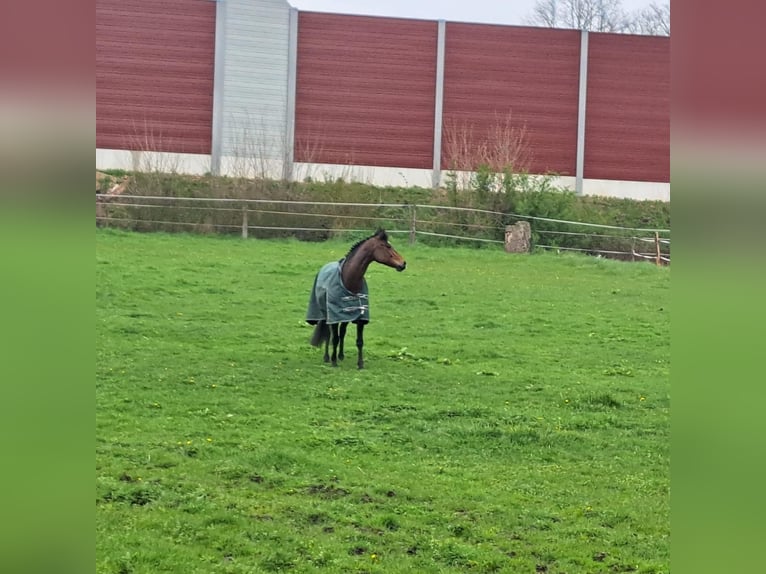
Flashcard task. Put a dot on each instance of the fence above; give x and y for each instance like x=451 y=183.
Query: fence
x=318 y=220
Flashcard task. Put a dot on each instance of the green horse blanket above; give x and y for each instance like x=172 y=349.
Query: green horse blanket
x=330 y=301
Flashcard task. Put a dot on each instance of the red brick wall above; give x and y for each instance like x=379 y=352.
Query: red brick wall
x=365 y=90
x=531 y=73
x=627 y=128
x=154 y=74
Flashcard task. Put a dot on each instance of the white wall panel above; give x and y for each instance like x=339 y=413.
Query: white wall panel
x=252 y=100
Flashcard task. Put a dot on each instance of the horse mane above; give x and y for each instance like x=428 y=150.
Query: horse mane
x=379 y=233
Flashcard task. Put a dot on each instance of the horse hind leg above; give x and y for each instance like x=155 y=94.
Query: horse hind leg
x=335 y=340
x=321 y=335
x=327 y=350
x=343 y=327
x=324 y=337
x=360 y=344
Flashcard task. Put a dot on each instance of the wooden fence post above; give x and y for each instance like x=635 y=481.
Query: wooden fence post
x=413 y=221
x=244 y=222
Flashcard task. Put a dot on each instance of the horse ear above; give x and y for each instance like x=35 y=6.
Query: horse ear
x=381 y=234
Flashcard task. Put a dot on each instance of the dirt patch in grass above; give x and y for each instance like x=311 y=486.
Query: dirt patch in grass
x=326 y=491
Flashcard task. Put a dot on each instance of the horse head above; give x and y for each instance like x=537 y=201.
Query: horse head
x=384 y=253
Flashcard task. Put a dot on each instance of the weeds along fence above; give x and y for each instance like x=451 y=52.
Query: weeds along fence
x=318 y=221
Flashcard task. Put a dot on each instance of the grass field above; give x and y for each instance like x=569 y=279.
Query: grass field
x=513 y=416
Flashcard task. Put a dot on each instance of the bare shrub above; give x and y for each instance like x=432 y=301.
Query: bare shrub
x=501 y=148
x=147 y=143
x=311 y=147
x=259 y=150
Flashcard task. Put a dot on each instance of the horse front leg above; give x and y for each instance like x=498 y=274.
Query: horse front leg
x=343 y=327
x=360 y=344
x=335 y=340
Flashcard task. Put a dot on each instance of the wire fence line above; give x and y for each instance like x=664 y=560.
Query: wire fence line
x=246 y=201
x=318 y=220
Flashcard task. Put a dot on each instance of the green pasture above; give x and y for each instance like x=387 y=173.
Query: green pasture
x=513 y=415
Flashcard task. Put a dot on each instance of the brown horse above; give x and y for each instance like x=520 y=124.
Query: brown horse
x=340 y=296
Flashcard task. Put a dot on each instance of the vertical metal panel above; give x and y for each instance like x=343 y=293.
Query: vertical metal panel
x=529 y=73
x=292 y=71
x=628 y=120
x=581 y=110
x=365 y=90
x=218 y=114
x=154 y=74
x=256 y=78
x=439 y=105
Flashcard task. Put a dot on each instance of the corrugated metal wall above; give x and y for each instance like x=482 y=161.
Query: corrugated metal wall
x=255 y=66
x=529 y=73
x=365 y=90
x=154 y=75
x=365 y=87
x=627 y=129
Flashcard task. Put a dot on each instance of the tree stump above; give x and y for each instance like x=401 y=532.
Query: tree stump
x=518 y=237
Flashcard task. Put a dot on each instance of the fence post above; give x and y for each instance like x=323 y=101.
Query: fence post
x=244 y=222
x=633 y=249
x=413 y=221
x=657 y=247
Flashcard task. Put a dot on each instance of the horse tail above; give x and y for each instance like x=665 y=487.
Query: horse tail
x=321 y=333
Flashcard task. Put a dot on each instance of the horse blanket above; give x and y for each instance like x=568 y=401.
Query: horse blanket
x=330 y=301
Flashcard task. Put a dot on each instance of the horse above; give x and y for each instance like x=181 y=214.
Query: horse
x=340 y=295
